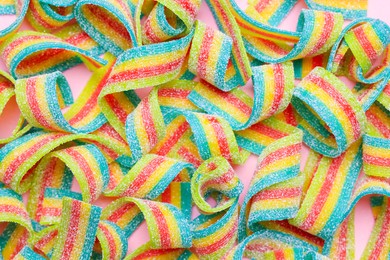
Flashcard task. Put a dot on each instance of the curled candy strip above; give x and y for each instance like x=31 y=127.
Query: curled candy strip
x=215 y=175
x=109 y=23
x=278 y=162
x=23 y=51
x=273 y=86
x=332 y=181
x=77 y=230
x=42 y=97
x=168 y=227
x=332 y=117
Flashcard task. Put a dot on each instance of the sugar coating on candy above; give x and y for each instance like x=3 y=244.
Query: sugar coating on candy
x=160 y=153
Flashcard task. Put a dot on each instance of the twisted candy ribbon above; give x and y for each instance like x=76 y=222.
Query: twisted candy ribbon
x=332 y=117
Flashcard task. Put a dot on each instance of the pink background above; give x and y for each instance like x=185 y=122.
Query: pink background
x=79 y=75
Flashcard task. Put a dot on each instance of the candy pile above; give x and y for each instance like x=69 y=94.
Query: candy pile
x=159 y=156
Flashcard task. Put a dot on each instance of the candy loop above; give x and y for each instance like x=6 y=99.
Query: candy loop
x=332 y=181
x=333 y=119
x=149 y=177
x=24 y=50
x=168 y=227
x=375 y=156
x=28 y=254
x=278 y=162
x=215 y=175
x=273 y=87
x=109 y=23
x=42 y=97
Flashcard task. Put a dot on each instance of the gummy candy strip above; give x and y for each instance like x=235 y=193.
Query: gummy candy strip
x=276 y=243
x=277 y=162
x=21 y=7
x=240 y=65
x=17 y=160
x=317 y=32
x=161 y=26
x=51 y=209
x=350 y=10
x=50 y=15
x=76 y=230
x=376 y=161
x=142 y=67
x=29 y=53
x=167 y=226
x=112 y=240
x=215 y=175
x=89 y=167
x=42 y=97
x=28 y=254
x=362 y=33
x=378 y=246
x=277 y=202
x=214 y=235
x=333 y=119
x=270 y=12
x=7 y=84
x=367 y=94
x=342 y=245
x=144 y=127
x=109 y=23
x=149 y=177
x=332 y=181
x=273 y=86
